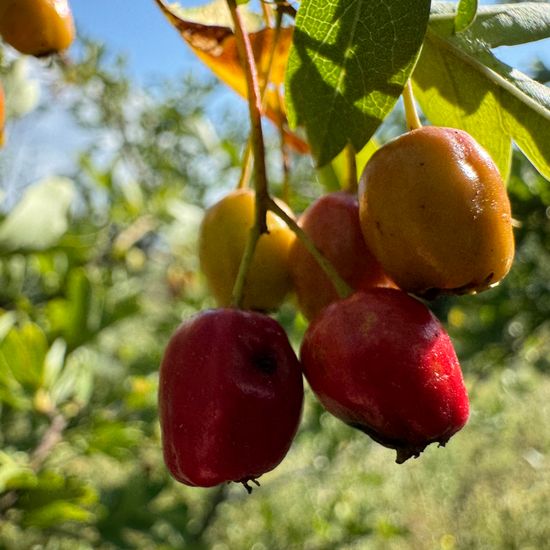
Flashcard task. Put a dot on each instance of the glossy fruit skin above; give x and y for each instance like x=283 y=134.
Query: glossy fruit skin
x=230 y=397
x=332 y=222
x=435 y=213
x=37 y=27
x=222 y=242
x=381 y=362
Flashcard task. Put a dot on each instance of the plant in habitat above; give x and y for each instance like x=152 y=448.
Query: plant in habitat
x=432 y=208
x=359 y=232
x=37 y=27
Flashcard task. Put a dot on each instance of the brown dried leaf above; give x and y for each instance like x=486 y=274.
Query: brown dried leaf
x=216 y=47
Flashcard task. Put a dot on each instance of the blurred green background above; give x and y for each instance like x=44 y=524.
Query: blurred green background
x=98 y=266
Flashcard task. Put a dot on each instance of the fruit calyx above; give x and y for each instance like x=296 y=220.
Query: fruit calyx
x=404 y=450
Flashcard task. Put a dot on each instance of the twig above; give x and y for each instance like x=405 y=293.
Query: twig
x=258 y=147
x=52 y=436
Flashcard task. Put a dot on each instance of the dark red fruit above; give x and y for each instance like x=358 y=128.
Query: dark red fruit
x=332 y=222
x=381 y=362
x=230 y=397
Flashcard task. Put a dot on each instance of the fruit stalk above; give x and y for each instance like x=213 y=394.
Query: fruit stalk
x=342 y=288
x=411 y=115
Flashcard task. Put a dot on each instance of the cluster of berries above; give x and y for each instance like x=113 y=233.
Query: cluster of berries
x=432 y=216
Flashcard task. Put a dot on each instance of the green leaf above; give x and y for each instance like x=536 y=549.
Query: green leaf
x=22 y=92
x=500 y=25
x=76 y=379
x=7 y=322
x=465 y=14
x=14 y=474
x=459 y=83
x=54 y=361
x=40 y=218
x=56 y=500
x=334 y=175
x=348 y=64
x=23 y=351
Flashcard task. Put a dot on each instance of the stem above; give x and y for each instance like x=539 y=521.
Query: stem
x=282 y=142
x=266 y=13
x=351 y=159
x=284 y=157
x=52 y=436
x=342 y=288
x=218 y=495
x=260 y=172
x=246 y=261
x=284 y=7
x=247 y=165
x=413 y=122
x=247 y=158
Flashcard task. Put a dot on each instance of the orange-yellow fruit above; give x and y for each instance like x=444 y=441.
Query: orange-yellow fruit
x=332 y=223
x=222 y=241
x=37 y=27
x=435 y=213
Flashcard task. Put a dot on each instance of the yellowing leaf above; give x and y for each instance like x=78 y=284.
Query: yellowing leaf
x=216 y=47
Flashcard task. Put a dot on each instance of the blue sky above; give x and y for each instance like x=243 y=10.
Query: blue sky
x=137 y=29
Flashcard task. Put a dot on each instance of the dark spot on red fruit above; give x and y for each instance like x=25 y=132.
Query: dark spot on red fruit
x=378 y=226
x=265 y=361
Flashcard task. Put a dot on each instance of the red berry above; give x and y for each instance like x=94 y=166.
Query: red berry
x=332 y=222
x=381 y=362
x=230 y=397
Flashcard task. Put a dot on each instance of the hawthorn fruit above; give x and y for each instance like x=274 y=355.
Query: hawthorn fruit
x=37 y=27
x=381 y=362
x=230 y=397
x=222 y=241
x=332 y=223
x=435 y=213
